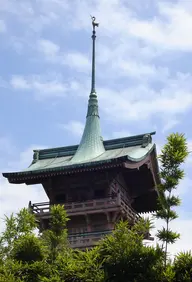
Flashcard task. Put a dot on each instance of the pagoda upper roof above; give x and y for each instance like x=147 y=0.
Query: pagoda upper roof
x=133 y=149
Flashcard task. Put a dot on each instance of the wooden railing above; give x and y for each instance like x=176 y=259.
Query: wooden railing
x=43 y=209
x=86 y=240
x=129 y=211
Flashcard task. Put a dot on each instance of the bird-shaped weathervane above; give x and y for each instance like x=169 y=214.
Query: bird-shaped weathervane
x=94 y=24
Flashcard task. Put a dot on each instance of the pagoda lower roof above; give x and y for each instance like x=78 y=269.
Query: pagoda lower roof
x=133 y=149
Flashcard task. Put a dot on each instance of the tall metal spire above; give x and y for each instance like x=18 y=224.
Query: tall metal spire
x=91 y=145
x=94 y=24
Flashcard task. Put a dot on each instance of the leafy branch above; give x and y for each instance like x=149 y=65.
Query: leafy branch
x=172 y=156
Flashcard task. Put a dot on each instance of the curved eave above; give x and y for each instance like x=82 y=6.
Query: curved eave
x=124 y=161
x=139 y=159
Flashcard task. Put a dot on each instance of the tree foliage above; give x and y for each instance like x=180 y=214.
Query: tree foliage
x=21 y=224
x=182 y=267
x=55 y=238
x=120 y=256
x=127 y=259
x=173 y=155
x=28 y=248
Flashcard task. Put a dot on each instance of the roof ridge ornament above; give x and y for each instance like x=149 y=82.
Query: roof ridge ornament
x=147 y=139
x=35 y=156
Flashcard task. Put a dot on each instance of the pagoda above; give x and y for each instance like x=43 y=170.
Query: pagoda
x=99 y=182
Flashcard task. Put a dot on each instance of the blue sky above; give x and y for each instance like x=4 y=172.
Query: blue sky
x=143 y=81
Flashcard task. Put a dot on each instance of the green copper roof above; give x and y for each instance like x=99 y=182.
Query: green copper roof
x=91 y=145
x=134 y=154
x=134 y=149
x=131 y=141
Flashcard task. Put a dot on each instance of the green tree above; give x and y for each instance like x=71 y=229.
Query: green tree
x=28 y=248
x=22 y=253
x=182 y=267
x=23 y=223
x=78 y=266
x=173 y=155
x=7 y=277
x=55 y=239
x=89 y=265
x=126 y=258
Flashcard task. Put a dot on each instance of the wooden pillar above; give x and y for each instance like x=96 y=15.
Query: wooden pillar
x=109 y=221
x=51 y=191
x=88 y=222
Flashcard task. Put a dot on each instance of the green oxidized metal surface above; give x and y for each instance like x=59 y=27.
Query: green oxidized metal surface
x=56 y=159
x=91 y=145
x=134 y=154
x=124 y=142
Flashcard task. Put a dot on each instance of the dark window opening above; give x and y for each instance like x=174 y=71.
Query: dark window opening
x=61 y=198
x=100 y=193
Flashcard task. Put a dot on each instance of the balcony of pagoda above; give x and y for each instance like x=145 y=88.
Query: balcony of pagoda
x=86 y=240
x=42 y=210
x=91 y=239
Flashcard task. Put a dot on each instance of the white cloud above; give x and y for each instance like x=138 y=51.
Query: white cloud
x=77 y=60
x=19 y=82
x=48 y=48
x=121 y=133
x=53 y=53
x=49 y=86
x=135 y=69
x=143 y=101
x=170 y=30
x=36 y=16
x=21 y=8
x=15 y=160
x=42 y=86
x=3 y=27
x=169 y=124
x=13 y=197
x=74 y=127
x=40 y=22
x=123 y=51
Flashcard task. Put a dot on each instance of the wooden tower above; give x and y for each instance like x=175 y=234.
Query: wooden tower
x=99 y=182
